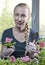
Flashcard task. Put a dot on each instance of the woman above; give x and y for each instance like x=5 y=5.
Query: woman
x=20 y=34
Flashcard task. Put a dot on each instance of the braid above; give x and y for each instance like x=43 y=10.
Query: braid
x=26 y=36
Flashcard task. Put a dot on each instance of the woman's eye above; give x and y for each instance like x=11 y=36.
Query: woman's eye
x=23 y=15
x=16 y=14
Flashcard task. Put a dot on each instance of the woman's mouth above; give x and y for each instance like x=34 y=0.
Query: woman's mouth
x=20 y=23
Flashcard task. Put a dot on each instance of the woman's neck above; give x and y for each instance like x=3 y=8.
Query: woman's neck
x=19 y=30
x=19 y=35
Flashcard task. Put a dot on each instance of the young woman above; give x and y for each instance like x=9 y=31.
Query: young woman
x=21 y=34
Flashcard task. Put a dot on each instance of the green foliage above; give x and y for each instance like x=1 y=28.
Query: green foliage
x=6 y=20
x=17 y=62
x=9 y=44
x=34 y=62
x=42 y=56
x=41 y=40
x=5 y=23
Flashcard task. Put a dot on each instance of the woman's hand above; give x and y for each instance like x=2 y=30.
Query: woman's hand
x=6 y=52
x=31 y=47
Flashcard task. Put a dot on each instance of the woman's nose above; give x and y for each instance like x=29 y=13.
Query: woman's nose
x=19 y=18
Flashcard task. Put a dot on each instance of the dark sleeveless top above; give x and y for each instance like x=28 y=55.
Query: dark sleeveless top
x=19 y=46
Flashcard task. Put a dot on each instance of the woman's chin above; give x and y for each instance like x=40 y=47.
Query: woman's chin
x=21 y=28
x=18 y=26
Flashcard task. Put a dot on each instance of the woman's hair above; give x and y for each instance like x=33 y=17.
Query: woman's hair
x=26 y=36
x=26 y=27
x=21 y=5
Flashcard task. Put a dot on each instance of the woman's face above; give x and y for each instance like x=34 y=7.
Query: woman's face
x=21 y=16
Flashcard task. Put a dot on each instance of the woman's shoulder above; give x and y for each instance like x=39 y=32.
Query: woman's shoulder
x=32 y=31
x=7 y=30
x=33 y=35
x=6 y=33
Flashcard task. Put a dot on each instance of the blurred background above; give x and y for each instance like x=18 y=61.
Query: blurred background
x=36 y=22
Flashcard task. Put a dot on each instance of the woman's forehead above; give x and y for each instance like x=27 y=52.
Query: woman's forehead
x=21 y=9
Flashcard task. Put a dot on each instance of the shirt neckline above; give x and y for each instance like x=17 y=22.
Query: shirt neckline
x=15 y=38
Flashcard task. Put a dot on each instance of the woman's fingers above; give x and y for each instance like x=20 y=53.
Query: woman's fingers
x=31 y=47
x=7 y=51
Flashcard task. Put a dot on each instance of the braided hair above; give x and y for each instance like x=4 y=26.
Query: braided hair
x=26 y=36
